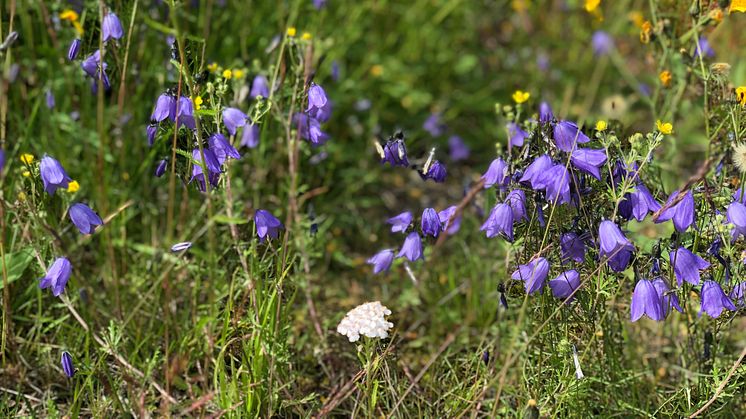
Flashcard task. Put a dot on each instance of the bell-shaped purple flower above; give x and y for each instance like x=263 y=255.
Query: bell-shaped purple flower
x=545 y=113
x=589 y=160
x=84 y=218
x=259 y=87
x=736 y=215
x=213 y=168
x=381 y=261
x=535 y=172
x=267 y=225
x=185 y=113
x=533 y=274
x=67 y=364
x=250 y=136
x=740 y=197
x=646 y=300
x=92 y=65
x=567 y=135
x=436 y=171
x=714 y=300
x=57 y=276
x=500 y=221
x=642 y=202
x=72 y=52
x=614 y=245
x=686 y=265
x=165 y=107
x=412 y=247
x=703 y=48
x=450 y=224
x=233 y=118
x=497 y=173
x=49 y=98
x=222 y=148
x=572 y=247
x=517 y=201
x=556 y=181
x=682 y=212
x=516 y=135
x=433 y=125
x=161 y=168
x=53 y=175
x=565 y=284
x=151 y=130
x=738 y=295
x=602 y=43
x=316 y=97
x=668 y=299
x=430 y=223
x=400 y=222
x=323 y=113
x=111 y=27
x=458 y=150
x=395 y=153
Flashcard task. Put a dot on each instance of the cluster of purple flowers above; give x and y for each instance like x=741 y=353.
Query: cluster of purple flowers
x=319 y=111
x=92 y=65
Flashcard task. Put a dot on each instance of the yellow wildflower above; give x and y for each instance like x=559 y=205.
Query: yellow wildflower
x=26 y=173
x=665 y=128
x=376 y=70
x=520 y=6
x=520 y=96
x=665 y=78
x=601 y=126
x=227 y=74
x=21 y=196
x=737 y=6
x=306 y=36
x=291 y=31
x=238 y=74
x=69 y=14
x=741 y=95
x=212 y=67
x=716 y=15
x=27 y=158
x=636 y=17
x=73 y=186
x=198 y=102
x=646 y=30
x=591 y=5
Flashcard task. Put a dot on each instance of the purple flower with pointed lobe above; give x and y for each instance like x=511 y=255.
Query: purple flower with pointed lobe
x=517 y=201
x=437 y=172
x=323 y=113
x=185 y=113
x=400 y=222
x=668 y=299
x=259 y=87
x=53 y=175
x=233 y=118
x=444 y=217
x=72 y=52
x=111 y=27
x=433 y=125
x=533 y=274
x=642 y=202
x=589 y=160
x=714 y=300
x=412 y=247
x=430 y=222
x=316 y=97
x=151 y=130
x=458 y=150
x=165 y=107
x=703 y=47
x=250 y=136
x=545 y=113
x=516 y=135
x=92 y=66
x=395 y=153
x=535 y=172
x=646 y=300
x=222 y=148
x=736 y=215
x=500 y=221
x=565 y=284
x=614 y=245
x=497 y=173
x=67 y=364
x=267 y=225
x=161 y=168
x=213 y=168
x=686 y=265
x=310 y=129
x=381 y=261
x=567 y=135
x=57 y=276
x=602 y=43
x=572 y=247
x=84 y=218
x=739 y=294
x=682 y=213
x=556 y=181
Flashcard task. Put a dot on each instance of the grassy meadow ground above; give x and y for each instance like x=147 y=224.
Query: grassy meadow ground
x=235 y=327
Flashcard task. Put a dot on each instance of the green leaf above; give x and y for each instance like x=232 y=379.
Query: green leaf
x=224 y=219
x=16 y=263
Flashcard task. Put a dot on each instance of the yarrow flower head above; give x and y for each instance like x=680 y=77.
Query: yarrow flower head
x=84 y=218
x=367 y=320
x=267 y=225
x=57 y=276
x=381 y=261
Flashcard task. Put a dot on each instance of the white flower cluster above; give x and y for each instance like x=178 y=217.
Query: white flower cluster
x=367 y=320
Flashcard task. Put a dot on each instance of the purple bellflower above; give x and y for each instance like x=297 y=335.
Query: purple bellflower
x=222 y=148
x=458 y=149
x=400 y=222
x=49 y=96
x=714 y=300
x=151 y=130
x=500 y=221
x=445 y=217
x=323 y=113
x=437 y=172
x=267 y=225
x=545 y=113
x=497 y=173
x=565 y=284
x=161 y=168
x=535 y=172
x=395 y=153
x=250 y=135
x=165 y=107
x=412 y=247
x=556 y=182
x=430 y=223
x=533 y=274
x=572 y=247
x=67 y=364
x=602 y=43
x=185 y=113
x=668 y=299
x=316 y=97
x=381 y=261
x=517 y=201
x=642 y=202
x=686 y=265
x=433 y=125
x=53 y=175
x=614 y=245
x=646 y=300
x=516 y=135
x=72 y=52
x=589 y=160
x=92 y=66
x=682 y=213
x=57 y=276
x=259 y=87
x=736 y=215
x=111 y=27
x=739 y=294
x=567 y=135
x=213 y=168
x=703 y=48
x=233 y=118
x=84 y=218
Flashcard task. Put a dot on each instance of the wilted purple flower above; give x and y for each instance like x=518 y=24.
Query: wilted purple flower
x=381 y=261
x=67 y=364
x=516 y=135
x=682 y=213
x=233 y=118
x=433 y=125
x=500 y=221
x=602 y=43
x=72 y=52
x=686 y=265
x=111 y=27
x=259 y=87
x=250 y=136
x=412 y=247
x=517 y=201
x=316 y=97
x=556 y=181
x=165 y=107
x=151 y=130
x=444 y=217
x=645 y=300
x=567 y=135
x=53 y=175
x=738 y=294
x=736 y=215
x=395 y=153
x=430 y=223
x=180 y=247
x=49 y=96
x=565 y=284
x=458 y=149
x=614 y=245
x=400 y=222
x=703 y=47
x=57 y=276
x=545 y=113
x=84 y=218
x=161 y=168
x=436 y=172
x=535 y=172
x=641 y=202
x=497 y=173
x=572 y=247
x=589 y=160
x=533 y=274
x=266 y=225
x=714 y=300
x=222 y=148
x=668 y=299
